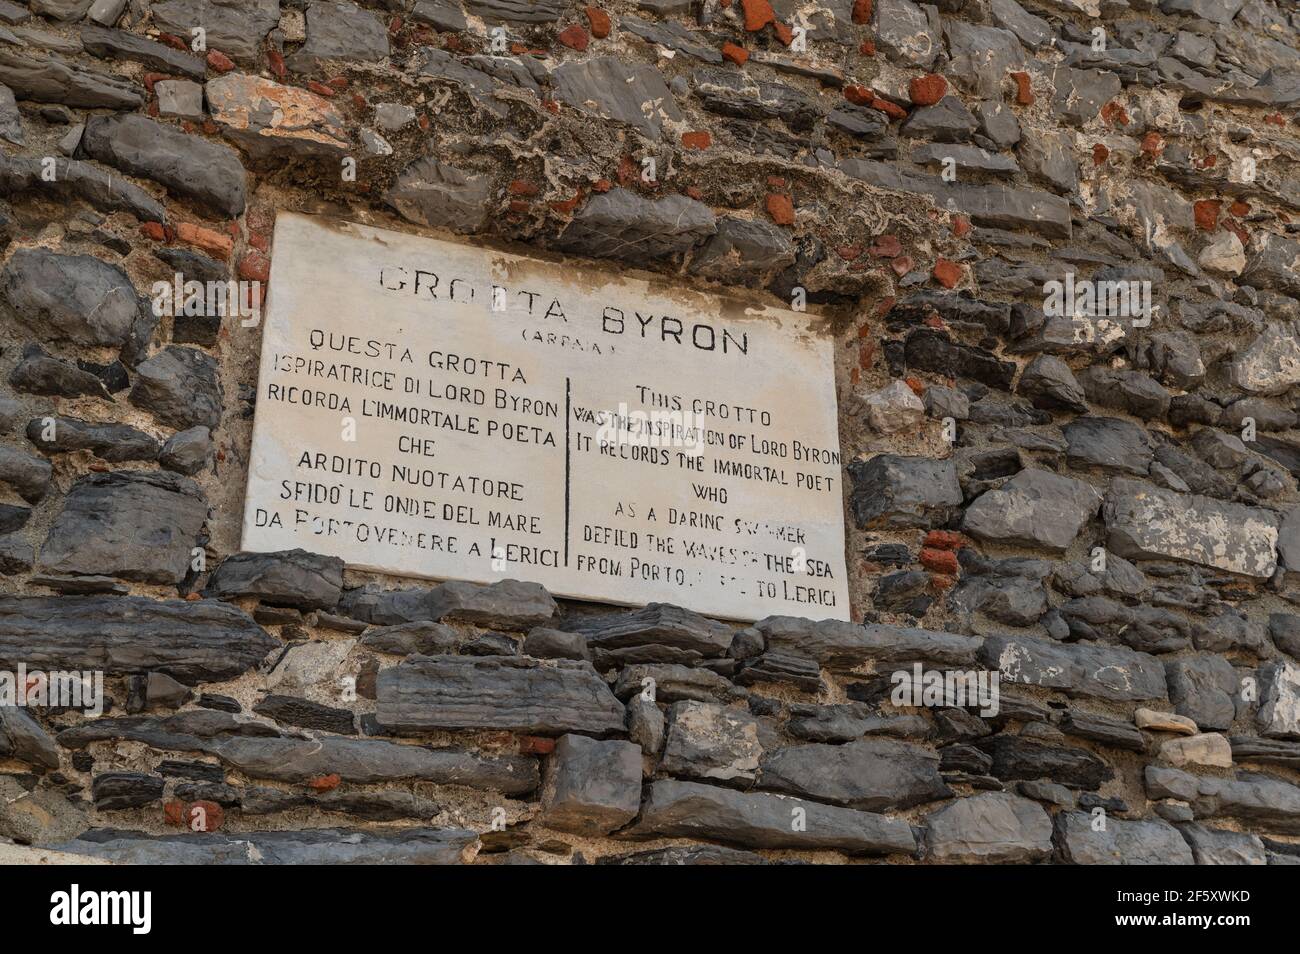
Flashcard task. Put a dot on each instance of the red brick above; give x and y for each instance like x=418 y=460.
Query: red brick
x=574 y=37
x=210 y=241
x=916 y=384
x=535 y=745
x=1100 y=154
x=927 y=90
x=1114 y=112
x=523 y=187
x=946 y=273
x=1024 y=91
x=960 y=226
x=696 y=140
x=736 y=54
x=255 y=267
x=886 y=246
x=892 y=110
x=174 y=41
x=858 y=95
x=867 y=47
x=325 y=783
x=901 y=265
x=220 y=62
x=598 y=19
x=941 y=581
x=153 y=231
x=204 y=816
x=1206 y=212
x=780 y=208
x=174 y=813
x=783 y=33
x=565 y=206
x=940 y=561
x=849 y=252
x=758 y=14
x=1239 y=208
x=861 y=11
x=944 y=540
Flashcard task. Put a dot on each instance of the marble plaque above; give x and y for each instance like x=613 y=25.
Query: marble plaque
x=433 y=409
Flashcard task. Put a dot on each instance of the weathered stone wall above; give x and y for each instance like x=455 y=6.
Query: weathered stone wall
x=1096 y=506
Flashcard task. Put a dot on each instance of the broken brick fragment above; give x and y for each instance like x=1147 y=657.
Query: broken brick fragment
x=1024 y=91
x=523 y=187
x=780 y=208
x=946 y=273
x=153 y=231
x=535 y=745
x=886 y=246
x=1114 y=113
x=861 y=11
x=927 y=90
x=696 y=140
x=1100 y=154
x=901 y=265
x=1206 y=213
x=598 y=20
x=960 y=226
x=735 y=54
x=940 y=561
x=1239 y=208
x=255 y=267
x=1153 y=144
x=944 y=540
x=574 y=37
x=758 y=14
x=325 y=783
x=783 y=33
x=867 y=47
x=220 y=62
x=214 y=243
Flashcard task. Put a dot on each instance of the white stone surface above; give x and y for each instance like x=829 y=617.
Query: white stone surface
x=510 y=461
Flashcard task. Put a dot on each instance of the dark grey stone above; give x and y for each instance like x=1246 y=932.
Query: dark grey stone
x=339 y=31
x=109 y=44
x=187 y=452
x=111 y=442
x=870 y=774
x=134 y=525
x=1102 y=672
x=1121 y=842
x=496 y=692
x=1203 y=689
x=429 y=192
x=46 y=78
x=207 y=172
x=591 y=787
x=632 y=93
x=676 y=809
x=180 y=387
x=622 y=224
x=895 y=492
x=188 y=640
x=988 y=828
x=287 y=578
x=74 y=297
x=1034 y=508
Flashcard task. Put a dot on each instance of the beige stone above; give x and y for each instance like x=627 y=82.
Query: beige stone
x=1210 y=750
x=1164 y=721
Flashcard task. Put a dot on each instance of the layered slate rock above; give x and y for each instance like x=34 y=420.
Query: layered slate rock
x=496 y=692
x=591 y=787
x=507 y=604
x=1257 y=800
x=437 y=194
x=1121 y=842
x=1019 y=758
x=1146 y=522
x=622 y=224
x=134 y=525
x=191 y=166
x=22 y=738
x=367 y=761
x=339 y=31
x=1214 y=846
x=898 y=493
x=632 y=93
x=72 y=297
x=658 y=633
x=318 y=846
x=111 y=442
x=111 y=44
x=869 y=774
x=47 y=78
x=1033 y=508
x=288 y=578
x=191 y=641
x=674 y=809
x=235 y=27
x=844 y=645
x=83 y=180
x=1203 y=688
x=1279 y=709
x=1103 y=672
x=989 y=828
